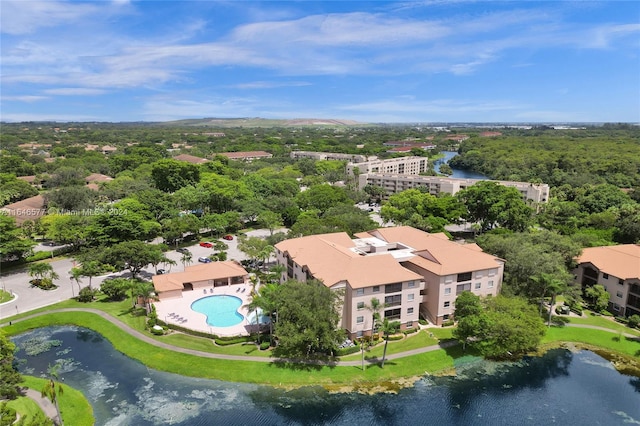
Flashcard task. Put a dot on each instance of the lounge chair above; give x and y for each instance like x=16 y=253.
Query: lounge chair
x=211 y=291
x=243 y=290
x=204 y=290
x=237 y=289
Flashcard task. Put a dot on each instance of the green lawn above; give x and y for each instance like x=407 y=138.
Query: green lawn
x=26 y=408
x=612 y=341
x=600 y=321
x=74 y=407
x=207 y=345
x=410 y=342
x=5 y=296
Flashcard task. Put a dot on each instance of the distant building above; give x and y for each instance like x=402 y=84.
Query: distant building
x=190 y=159
x=246 y=155
x=412 y=273
x=434 y=185
x=617 y=268
x=490 y=134
x=400 y=165
x=354 y=158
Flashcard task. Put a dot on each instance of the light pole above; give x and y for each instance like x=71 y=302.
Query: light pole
x=72 y=292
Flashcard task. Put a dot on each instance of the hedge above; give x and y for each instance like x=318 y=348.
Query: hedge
x=348 y=351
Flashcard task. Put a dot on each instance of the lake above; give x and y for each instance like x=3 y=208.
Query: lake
x=457 y=173
x=563 y=387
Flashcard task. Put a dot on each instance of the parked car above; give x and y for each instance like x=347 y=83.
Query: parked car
x=162 y=271
x=204 y=260
x=206 y=244
x=183 y=250
x=228 y=237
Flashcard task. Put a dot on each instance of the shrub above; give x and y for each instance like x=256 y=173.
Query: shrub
x=39 y=255
x=447 y=323
x=157 y=332
x=634 y=321
x=44 y=283
x=410 y=331
x=348 y=351
x=226 y=341
x=395 y=337
x=423 y=322
x=86 y=295
x=265 y=345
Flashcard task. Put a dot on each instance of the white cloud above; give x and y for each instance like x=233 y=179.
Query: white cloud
x=269 y=84
x=62 y=118
x=74 y=91
x=25 y=98
x=24 y=17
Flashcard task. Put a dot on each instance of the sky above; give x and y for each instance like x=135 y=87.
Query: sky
x=367 y=61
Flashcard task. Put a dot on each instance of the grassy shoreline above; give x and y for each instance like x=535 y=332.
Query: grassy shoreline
x=398 y=373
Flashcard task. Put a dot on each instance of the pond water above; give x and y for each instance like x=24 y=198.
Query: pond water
x=457 y=173
x=561 y=387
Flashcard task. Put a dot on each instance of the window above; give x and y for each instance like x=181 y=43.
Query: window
x=478 y=286
x=447 y=304
x=605 y=276
x=360 y=320
x=464 y=277
x=463 y=287
x=359 y=334
x=409 y=310
x=360 y=305
x=492 y=272
x=620 y=282
x=392 y=314
x=490 y=284
x=393 y=300
x=376 y=288
x=616 y=307
x=409 y=324
x=479 y=275
x=447 y=291
x=412 y=284
x=393 y=288
x=619 y=294
x=360 y=292
x=445 y=317
x=410 y=297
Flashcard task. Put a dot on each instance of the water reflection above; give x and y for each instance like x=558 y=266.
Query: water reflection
x=563 y=387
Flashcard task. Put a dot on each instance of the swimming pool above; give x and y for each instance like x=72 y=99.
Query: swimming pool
x=221 y=310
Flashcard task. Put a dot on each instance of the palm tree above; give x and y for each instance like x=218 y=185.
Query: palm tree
x=554 y=287
x=387 y=329
x=186 y=259
x=39 y=270
x=276 y=270
x=53 y=390
x=374 y=307
x=76 y=274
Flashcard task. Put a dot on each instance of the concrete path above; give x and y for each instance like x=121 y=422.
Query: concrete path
x=47 y=406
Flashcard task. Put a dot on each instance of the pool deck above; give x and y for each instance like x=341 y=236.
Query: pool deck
x=198 y=321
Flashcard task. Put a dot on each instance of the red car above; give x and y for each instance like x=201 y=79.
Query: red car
x=206 y=244
x=228 y=237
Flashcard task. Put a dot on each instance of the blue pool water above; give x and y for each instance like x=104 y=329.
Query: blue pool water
x=221 y=310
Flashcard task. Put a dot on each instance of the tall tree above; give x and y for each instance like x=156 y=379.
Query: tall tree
x=10 y=379
x=13 y=245
x=132 y=255
x=307 y=320
x=388 y=328
x=170 y=175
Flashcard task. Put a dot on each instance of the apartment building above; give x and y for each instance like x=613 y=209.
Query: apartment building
x=354 y=158
x=401 y=165
x=412 y=273
x=617 y=269
x=246 y=155
x=394 y=183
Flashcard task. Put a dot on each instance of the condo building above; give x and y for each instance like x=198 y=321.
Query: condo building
x=413 y=274
x=434 y=185
x=617 y=269
x=400 y=165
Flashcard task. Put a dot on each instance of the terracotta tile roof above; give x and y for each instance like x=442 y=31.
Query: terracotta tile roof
x=246 y=154
x=190 y=159
x=195 y=273
x=97 y=177
x=28 y=209
x=622 y=261
x=436 y=253
x=329 y=258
